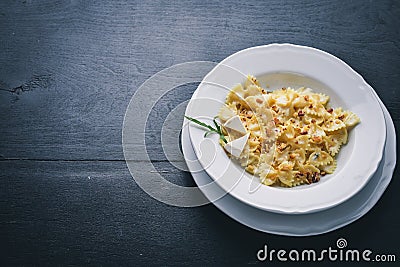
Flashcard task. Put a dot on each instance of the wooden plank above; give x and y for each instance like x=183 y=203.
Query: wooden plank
x=87 y=212
x=94 y=57
x=68 y=70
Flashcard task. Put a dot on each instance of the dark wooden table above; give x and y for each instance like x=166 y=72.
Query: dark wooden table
x=68 y=70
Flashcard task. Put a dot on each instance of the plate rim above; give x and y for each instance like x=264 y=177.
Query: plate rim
x=377 y=191
x=372 y=165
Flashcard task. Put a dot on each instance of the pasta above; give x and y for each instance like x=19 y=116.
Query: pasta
x=293 y=135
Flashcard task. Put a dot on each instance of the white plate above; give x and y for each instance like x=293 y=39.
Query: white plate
x=296 y=66
x=301 y=224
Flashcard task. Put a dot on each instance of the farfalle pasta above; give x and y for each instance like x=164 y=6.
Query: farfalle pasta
x=293 y=136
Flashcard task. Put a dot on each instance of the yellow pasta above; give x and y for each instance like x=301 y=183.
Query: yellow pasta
x=294 y=137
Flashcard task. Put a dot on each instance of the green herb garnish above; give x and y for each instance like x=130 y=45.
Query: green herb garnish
x=211 y=129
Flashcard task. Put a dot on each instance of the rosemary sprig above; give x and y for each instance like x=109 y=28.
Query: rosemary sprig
x=211 y=129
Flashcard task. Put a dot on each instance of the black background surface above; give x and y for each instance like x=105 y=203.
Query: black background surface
x=68 y=70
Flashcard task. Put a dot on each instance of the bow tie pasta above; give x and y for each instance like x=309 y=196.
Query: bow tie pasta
x=293 y=136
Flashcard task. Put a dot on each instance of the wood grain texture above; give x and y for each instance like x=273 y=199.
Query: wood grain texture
x=98 y=55
x=79 y=213
x=68 y=70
